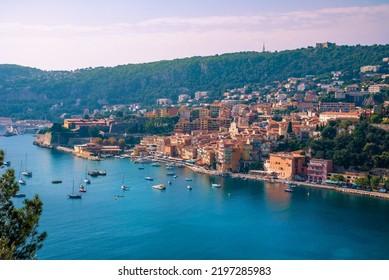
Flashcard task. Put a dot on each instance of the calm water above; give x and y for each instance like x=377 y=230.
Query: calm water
x=241 y=220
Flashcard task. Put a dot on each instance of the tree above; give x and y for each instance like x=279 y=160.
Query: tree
x=94 y=131
x=122 y=143
x=112 y=141
x=290 y=128
x=375 y=181
x=329 y=132
x=364 y=181
x=337 y=178
x=19 y=237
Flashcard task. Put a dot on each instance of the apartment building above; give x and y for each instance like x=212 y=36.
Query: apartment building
x=318 y=169
x=287 y=165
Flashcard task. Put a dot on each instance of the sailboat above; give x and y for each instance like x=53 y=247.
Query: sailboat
x=26 y=172
x=124 y=187
x=73 y=195
x=21 y=181
x=86 y=180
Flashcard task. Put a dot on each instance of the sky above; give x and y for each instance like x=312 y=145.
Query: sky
x=74 y=34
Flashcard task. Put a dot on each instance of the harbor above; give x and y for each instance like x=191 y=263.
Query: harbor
x=112 y=223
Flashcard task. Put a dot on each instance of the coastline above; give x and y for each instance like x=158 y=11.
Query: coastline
x=200 y=169
x=66 y=150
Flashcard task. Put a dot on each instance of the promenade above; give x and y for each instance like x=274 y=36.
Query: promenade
x=200 y=169
x=319 y=186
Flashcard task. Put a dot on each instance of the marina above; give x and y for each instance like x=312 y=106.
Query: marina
x=243 y=219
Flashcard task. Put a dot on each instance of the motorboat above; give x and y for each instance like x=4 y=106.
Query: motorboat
x=56 y=181
x=18 y=194
x=159 y=187
x=289 y=190
x=189 y=187
x=216 y=185
x=149 y=178
x=82 y=188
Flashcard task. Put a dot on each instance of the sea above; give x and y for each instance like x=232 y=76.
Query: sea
x=242 y=220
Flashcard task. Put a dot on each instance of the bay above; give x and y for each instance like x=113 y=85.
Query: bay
x=242 y=220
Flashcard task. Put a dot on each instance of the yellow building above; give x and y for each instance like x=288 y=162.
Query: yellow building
x=287 y=165
x=228 y=156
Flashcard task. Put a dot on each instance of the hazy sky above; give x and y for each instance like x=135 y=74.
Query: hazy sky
x=71 y=34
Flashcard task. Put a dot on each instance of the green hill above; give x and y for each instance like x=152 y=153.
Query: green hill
x=33 y=93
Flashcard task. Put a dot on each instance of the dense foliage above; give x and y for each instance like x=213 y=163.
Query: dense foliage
x=32 y=93
x=353 y=145
x=19 y=237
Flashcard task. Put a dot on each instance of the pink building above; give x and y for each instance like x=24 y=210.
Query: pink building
x=318 y=170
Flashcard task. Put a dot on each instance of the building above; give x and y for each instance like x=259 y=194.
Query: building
x=336 y=106
x=326 y=116
x=378 y=88
x=228 y=156
x=79 y=122
x=164 y=101
x=287 y=165
x=369 y=68
x=201 y=95
x=183 y=97
x=318 y=169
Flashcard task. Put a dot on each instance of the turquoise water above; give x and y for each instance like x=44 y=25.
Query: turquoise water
x=241 y=220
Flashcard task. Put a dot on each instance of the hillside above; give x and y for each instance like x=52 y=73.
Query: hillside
x=33 y=93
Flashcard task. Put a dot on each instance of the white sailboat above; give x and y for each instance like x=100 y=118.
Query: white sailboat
x=86 y=180
x=21 y=181
x=26 y=172
x=124 y=187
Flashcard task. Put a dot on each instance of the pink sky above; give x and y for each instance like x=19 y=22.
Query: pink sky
x=59 y=38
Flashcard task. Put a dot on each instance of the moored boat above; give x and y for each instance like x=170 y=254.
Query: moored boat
x=21 y=181
x=159 y=187
x=18 y=194
x=289 y=190
x=189 y=187
x=149 y=178
x=56 y=181
x=93 y=173
x=216 y=185
x=82 y=188
x=73 y=195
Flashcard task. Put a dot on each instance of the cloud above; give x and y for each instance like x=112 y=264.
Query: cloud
x=71 y=46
